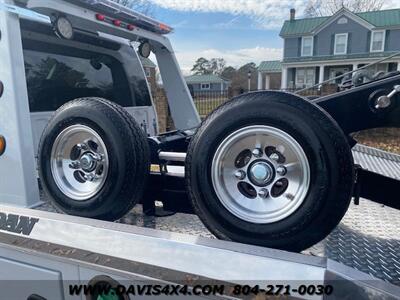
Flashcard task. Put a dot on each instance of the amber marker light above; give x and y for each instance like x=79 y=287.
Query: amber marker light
x=2 y=145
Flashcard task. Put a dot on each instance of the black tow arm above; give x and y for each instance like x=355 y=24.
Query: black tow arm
x=355 y=110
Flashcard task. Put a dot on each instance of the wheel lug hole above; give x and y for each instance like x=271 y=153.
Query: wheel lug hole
x=257 y=152
x=280 y=187
x=239 y=174
x=263 y=193
x=281 y=171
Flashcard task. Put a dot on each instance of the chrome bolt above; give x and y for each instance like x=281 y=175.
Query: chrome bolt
x=240 y=174
x=257 y=152
x=75 y=165
x=383 y=102
x=281 y=171
x=263 y=193
x=274 y=156
x=90 y=177
x=98 y=157
x=82 y=146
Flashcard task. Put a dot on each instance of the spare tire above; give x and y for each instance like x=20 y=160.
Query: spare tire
x=93 y=159
x=270 y=169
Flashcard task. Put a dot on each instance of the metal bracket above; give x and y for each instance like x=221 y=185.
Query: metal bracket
x=377 y=188
x=25 y=13
x=357 y=185
x=386 y=101
x=354 y=111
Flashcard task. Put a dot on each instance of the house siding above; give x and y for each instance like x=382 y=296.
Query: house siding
x=292 y=47
x=393 y=40
x=215 y=87
x=359 y=40
x=357 y=37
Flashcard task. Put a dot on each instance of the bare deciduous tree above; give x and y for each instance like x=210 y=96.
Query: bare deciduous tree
x=317 y=8
x=204 y=66
x=142 y=6
x=217 y=65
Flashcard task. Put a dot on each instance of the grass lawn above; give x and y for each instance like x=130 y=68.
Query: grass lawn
x=385 y=139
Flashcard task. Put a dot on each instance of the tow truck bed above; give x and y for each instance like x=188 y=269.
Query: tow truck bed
x=62 y=250
x=37 y=244
x=367 y=239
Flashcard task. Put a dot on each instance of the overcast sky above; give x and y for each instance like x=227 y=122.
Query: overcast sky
x=240 y=31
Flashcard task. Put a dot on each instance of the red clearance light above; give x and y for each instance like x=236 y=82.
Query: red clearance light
x=164 y=27
x=130 y=27
x=117 y=23
x=100 y=17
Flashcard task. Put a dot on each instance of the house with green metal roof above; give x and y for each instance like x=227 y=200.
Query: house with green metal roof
x=207 y=83
x=318 y=49
x=269 y=75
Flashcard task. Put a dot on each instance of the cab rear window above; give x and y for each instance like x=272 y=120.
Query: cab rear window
x=56 y=78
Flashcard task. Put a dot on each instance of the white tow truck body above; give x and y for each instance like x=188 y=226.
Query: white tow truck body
x=42 y=253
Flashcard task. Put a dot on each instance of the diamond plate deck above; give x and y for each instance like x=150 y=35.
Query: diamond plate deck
x=367 y=239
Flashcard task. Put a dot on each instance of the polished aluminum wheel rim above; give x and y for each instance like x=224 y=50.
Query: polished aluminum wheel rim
x=79 y=162
x=260 y=174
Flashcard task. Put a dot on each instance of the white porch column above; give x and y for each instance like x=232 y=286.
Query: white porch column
x=398 y=66
x=321 y=73
x=259 y=85
x=284 y=78
x=355 y=66
x=267 y=82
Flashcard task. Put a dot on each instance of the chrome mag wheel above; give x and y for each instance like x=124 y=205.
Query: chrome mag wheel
x=79 y=162
x=260 y=174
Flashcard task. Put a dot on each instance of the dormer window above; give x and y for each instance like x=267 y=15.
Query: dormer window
x=378 y=41
x=307 y=45
x=340 y=43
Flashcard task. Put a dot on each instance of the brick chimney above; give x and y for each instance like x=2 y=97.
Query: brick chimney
x=292 y=14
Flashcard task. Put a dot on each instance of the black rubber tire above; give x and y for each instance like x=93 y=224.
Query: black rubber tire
x=128 y=152
x=326 y=147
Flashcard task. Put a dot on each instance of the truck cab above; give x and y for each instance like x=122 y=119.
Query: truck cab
x=60 y=70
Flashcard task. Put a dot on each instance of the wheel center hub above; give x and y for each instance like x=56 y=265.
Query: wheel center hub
x=261 y=173
x=88 y=162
